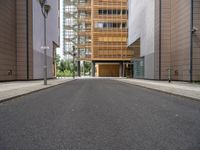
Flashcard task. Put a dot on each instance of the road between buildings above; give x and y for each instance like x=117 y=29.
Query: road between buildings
x=99 y=114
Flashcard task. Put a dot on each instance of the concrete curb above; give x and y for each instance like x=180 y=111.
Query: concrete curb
x=166 y=92
x=24 y=94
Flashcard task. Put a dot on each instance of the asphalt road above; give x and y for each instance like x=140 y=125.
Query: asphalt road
x=99 y=115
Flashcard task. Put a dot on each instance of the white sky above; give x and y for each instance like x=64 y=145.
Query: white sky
x=60 y=50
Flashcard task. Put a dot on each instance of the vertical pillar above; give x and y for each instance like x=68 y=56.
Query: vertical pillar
x=121 y=69
x=78 y=63
x=83 y=68
x=191 y=39
x=93 y=68
x=79 y=68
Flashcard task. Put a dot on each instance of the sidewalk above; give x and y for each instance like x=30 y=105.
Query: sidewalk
x=14 y=89
x=177 y=88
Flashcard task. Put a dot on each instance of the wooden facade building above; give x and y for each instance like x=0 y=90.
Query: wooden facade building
x=102 y=34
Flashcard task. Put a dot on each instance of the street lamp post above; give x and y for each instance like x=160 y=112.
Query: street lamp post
x=45 y=8
x=73 y=54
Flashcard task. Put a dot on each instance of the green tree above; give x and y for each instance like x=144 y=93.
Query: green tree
x=87 y=67
x=63 y=65
x=69 y=65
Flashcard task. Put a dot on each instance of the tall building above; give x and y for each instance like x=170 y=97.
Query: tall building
x=100 y=28
x=167 y=33
x=21 y=38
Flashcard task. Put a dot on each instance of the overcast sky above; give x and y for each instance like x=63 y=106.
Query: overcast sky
x=60 y=50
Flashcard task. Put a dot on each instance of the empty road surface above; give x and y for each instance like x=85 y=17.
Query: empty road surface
x=99 y=114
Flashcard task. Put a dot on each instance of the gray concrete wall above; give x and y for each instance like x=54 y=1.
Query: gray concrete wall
x=38 y=37
x=141 y=25
x=149 y=66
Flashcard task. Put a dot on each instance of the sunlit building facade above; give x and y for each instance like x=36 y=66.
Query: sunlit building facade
x=101 y=32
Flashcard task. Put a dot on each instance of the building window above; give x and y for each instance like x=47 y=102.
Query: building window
x=124 y=25
x=105 y=12
x=102 y=25
x=112 y=12
x=118 y=12
x=100 y=12
x=124 y=12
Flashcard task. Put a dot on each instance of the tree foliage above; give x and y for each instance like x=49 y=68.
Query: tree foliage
x=63 y=65
x=87 y=67
x=65 y=68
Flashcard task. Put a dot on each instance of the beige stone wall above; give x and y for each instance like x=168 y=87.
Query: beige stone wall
x=196 y=40
x=7 y=40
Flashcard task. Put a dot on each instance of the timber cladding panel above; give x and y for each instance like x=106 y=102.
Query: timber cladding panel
x=109 y=30
x=7 y=40
x=105 y=30
x=108 y=70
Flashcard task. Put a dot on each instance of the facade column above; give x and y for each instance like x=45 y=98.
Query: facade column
x=78 y=63
x=121 y=69
x=83 y=68
x=93 y=68
x=79 y=68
